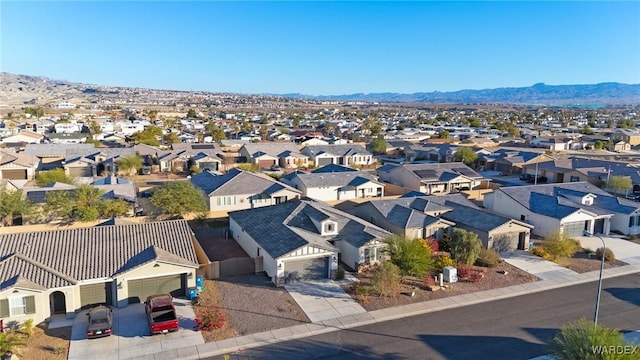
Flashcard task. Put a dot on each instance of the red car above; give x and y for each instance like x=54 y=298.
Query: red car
x=161 y=314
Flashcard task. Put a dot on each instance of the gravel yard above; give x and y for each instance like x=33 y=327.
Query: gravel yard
x=253 y=304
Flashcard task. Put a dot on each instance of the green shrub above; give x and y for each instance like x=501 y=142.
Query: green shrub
x=340 y=273
x=538 y=251
x=465 y=246
x=386 y=279
x=412 y=257
x=608 y=254
x=195 y=169
x=442 y=261
x=581 y=339
x=27 y=327
x=558 y=245
x=488 y=258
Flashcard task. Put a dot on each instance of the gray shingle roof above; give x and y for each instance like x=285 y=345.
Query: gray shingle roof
x=441 y=171
x=555 y=199
x=339 y=150
x=56 y=150
x=95 y=252
x=330 y=168
x=474 y=218
x=351 y=178
x=283 y=228
x=275 y=149
x=237 y=182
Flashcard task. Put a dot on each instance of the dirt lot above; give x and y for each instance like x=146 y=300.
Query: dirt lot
x=250 y=304
x=211 y=236
x=45 y=344
x=493 y=279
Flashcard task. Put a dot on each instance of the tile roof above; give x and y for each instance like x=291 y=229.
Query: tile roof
x=237 y=182
x=56 y=150
x=440 y=171
x=69 y=255
x=283 y=228
x=275 y=149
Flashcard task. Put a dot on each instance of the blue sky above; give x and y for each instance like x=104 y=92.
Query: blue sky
x=322 y=48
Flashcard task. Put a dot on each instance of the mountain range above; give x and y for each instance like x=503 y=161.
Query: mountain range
x=602 y=94
x=25 y=89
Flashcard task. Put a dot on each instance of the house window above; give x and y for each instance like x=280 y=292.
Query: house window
x=329 y=228
x=19 y=305
x=632 y=221
x=574 y=179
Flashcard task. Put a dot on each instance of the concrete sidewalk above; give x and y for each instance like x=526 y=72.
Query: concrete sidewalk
x=535 y=265
x=351 y=321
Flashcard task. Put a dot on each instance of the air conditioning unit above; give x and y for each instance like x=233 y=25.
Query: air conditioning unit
x=450 y=274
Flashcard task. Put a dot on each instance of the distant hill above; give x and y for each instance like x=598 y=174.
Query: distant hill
x=26 y=89
x=538 y=94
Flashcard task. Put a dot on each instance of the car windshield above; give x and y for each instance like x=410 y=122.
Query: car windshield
x=99 y=322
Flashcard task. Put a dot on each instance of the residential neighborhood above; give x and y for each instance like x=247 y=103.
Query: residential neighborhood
x=106 y=206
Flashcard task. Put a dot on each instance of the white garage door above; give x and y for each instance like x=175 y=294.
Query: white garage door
x=574 y=228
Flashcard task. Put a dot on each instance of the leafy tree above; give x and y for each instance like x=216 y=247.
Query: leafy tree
x=11 y=342
x=195 y=169
x=129 y=164
x=12 y=203
x=386 y=279
x=580 y=340
x=444 y=134
x=474 y=122
x=37 y=111
x=409 y=256
x=85 y=203
x=49 y=177
x=179 y=198
x=378 y=146
x=113 y=207
x=619 y=183
x=559 y=245
x=172 y=138
x=465 y=246
x=191 y=113
x=587 y=130
x=372 y=125
x=148 y=136
x=152 y=114
x=94 y=129
x=216 y=132
x=466 y=155
x=598 y=145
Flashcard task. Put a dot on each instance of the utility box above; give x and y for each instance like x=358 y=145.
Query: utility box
x=450 y=274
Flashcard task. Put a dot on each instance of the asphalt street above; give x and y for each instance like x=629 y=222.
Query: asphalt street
x=510 y=329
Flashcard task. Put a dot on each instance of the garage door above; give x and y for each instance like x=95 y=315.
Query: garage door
x=14 y=174
x=81 y=172
x=325 y=161
x=308 y=269
x=95 y=294
x=574 y=228
x=140 y=289
x=266 y=163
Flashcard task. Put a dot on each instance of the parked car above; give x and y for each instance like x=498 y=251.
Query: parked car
x=161 y=314
x=532 y=179
x=99 y=322
x=525 y=177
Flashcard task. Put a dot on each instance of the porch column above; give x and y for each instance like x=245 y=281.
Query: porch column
x=607 y=226
x=592 y=225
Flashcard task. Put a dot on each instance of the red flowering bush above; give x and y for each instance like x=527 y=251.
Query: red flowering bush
x=212 y=320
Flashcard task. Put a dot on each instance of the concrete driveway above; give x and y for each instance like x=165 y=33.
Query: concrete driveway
x=534 y=265
x=623 y=250
x=323 y=300
x=131 y=337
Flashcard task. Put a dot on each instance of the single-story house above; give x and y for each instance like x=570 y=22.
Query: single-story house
x=413 y=218
x=332 y=186
x=350 y=154
x=17 y=166
x=572 y=207
x=431 y=178
x=266 y=155
x=238 y=189
x=302 y=239
x=62 y=271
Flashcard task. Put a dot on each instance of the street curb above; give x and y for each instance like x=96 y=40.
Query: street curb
x=348 y=322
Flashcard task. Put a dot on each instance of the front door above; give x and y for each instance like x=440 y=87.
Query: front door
x=58 y=302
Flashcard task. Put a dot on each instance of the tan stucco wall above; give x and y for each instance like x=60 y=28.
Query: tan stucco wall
x=147 y=271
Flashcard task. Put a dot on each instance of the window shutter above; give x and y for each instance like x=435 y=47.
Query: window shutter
x=4 y=308
x=31 y=304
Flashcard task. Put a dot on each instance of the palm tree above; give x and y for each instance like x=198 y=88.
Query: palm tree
x=10 y=342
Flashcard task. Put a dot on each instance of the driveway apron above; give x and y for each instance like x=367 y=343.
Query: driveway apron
x=323 y=300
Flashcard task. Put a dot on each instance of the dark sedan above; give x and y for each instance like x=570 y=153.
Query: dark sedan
x=99 y=321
